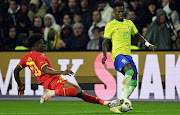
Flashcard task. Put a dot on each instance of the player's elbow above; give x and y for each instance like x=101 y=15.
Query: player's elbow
x=45 y=69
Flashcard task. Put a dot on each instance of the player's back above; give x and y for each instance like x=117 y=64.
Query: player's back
x=35 y=61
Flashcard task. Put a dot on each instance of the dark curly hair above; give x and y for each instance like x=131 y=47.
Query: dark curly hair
x=118 y=4
x=33 y=39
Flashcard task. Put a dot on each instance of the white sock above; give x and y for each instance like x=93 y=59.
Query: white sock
x=125 y=86
x=106 y=102
x=52 y=92
x=131 y=89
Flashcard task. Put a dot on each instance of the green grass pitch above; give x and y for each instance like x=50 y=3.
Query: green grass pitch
x=81 y=108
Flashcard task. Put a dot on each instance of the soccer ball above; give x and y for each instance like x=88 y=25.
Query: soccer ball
x=125 y=107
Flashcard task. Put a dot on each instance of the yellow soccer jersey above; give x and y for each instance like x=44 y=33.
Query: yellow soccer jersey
x=120 y=35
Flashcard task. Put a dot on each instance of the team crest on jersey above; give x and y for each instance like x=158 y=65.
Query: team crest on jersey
x=124 y=61
x=129 y=28
x=29 y=59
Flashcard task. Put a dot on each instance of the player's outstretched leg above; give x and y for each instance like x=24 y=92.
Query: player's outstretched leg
x=91 y=99
x=86 y=97
x=73 y=90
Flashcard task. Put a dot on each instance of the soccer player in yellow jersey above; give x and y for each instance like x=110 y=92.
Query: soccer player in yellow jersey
x=119 y=31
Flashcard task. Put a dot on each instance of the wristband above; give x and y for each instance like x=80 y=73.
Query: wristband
x=147 y=44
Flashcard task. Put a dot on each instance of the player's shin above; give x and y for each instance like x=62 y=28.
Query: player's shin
x=70 y=91
x=133 y=84
x=126 y=84
x=93 y=99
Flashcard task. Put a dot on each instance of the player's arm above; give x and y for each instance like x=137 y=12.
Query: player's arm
x=50 y=71
x=145 y=42
x=104 y=49
x=17 y=78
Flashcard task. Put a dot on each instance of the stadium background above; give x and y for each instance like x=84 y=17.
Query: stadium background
x=158 y=82
x=87 y=65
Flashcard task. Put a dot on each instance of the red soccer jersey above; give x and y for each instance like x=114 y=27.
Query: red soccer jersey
x=35 y=61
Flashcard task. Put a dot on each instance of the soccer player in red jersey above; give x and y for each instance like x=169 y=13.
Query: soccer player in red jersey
x=49 y=78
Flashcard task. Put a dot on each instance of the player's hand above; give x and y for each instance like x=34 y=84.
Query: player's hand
x=104 y=60
x=152 y=47
x=67 y=72
x=21 y=91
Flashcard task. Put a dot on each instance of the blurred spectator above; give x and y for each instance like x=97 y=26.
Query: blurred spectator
x=144 y=31
x=11 y=41
x=101 y=40
x=79 y=39
x=102 y=31
x=95 y=44
x=52 y=40
x=77 y=18
x=86 y=13
x=24 y=7
x=65 y=36
x=113 y=16
x=56 y=10
x=65 y=33
x=165 y=2
x=4 y=6
x=3 y=28
x=23 y=23
x=66 y=20
x=36 y=10
x=149 y=13
x=106 y=10
x=72 y=7
x=172 y=14
x=13 y=12
x=37 y=25
x=134 y=5
x=97 y=21
x=132 y=16
x=37 y=22
x=159 y=34
x=50 y=23
x=33 y=29
x=22 y=40
x=177 y=44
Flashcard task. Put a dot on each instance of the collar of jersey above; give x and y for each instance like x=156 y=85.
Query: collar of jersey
x=119 y=21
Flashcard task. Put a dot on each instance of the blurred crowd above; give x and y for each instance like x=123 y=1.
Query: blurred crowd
x=78 y=25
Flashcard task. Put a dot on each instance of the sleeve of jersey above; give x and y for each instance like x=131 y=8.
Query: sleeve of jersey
x=134 y=30
x=22 y=63
x=41 y=62
x=108 y=32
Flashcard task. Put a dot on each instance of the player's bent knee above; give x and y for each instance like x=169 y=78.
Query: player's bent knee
x=78 y=89
x=133 y=83
x=73 y=91
x=129 y=72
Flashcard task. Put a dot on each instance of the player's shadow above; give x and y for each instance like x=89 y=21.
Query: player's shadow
x=105 y=113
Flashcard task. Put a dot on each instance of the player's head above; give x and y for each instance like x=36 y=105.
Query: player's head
x=36 y=42
x=119 y=10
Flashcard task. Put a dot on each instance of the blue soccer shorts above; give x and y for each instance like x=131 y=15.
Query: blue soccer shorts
x=122 y=60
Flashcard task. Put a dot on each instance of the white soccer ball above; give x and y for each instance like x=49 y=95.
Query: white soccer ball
x=125 y=107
